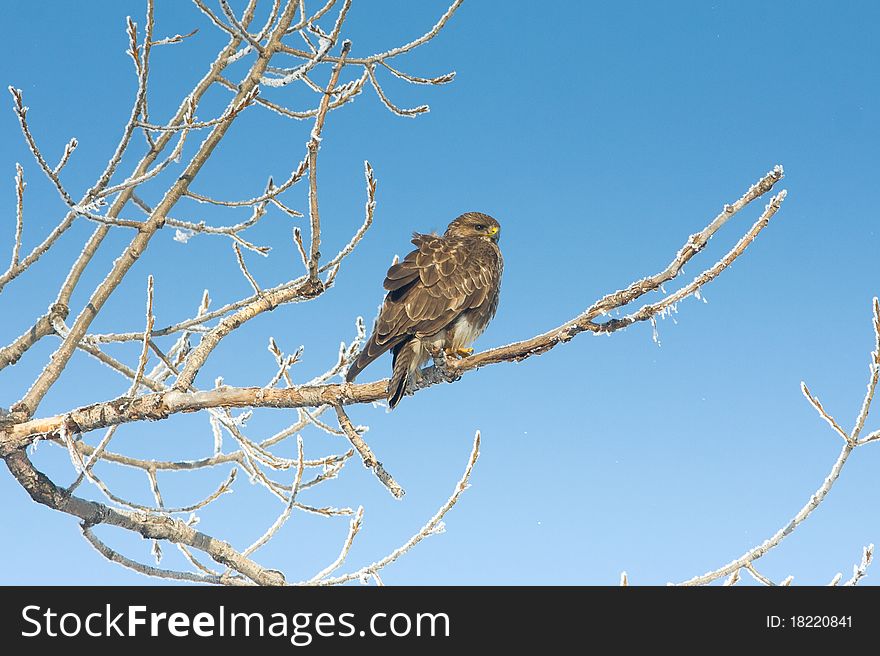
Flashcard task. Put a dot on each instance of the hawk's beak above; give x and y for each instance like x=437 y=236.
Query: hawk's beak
x=494 y=233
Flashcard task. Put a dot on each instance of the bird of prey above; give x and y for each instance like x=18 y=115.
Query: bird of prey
x=441 y=296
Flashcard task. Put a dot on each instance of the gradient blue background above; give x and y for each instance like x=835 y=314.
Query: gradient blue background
x=601 y=135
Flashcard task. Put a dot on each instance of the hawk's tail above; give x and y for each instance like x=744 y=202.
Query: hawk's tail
x=370 y=352
x=404 y=362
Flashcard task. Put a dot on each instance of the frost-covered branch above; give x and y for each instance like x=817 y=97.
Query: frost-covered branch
x=366 y=453
x=194 y=338
x=19 y=215
x=851 y=443
x=434 y=526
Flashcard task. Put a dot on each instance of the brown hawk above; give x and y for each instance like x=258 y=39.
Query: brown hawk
x=441 y=296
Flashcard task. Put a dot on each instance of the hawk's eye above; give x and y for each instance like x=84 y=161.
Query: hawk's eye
x=479 y=227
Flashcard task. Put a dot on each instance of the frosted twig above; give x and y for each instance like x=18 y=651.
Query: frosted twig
x=313 y=145
x=69 y=147
x=106 y=220
x=306 y=21
x=268 y=300
x=149 y=174
x=118 y=366
x=760 y=578
x=282 y=518
x=19 y=214
x=370 y=461
x=21 y=112
x=297 y=73
x=177 y=38
x=187 y=107
x=142 y=361
x=148 y=570
x=270 y=21
x=38 y=251
x=331 y=471
x=409 y=113
x=324 y=427
x=92 y=246
x=284 y=363
x=353 y=528
x=753 y=554
x=222 y=489
x=142 y=66
x=295 y=177
x=312 y=48
x=650 y=310
x=369 y=209
x=95 y=457
x=851 y=442
x=428 y=529
x=440 y=79
x=298 y=240
x=821 y=410
x=244 y=269
x=287 y=291
x=871 y=437
x=232 y=231
x=123 y=264
x=861 y=569
x=394 y=52
x=331 y=463
x=195 y=561
x=346 y=354
x=872 y=381
x=154 y=487
x=239 y=30
x=289 y=211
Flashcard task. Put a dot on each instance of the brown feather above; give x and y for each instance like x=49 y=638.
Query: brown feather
x=445 y=280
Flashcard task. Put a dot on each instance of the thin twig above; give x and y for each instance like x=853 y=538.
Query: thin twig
x=861 y=569
x=68 y=151
x=19 y=214
x=434 y=525
x=244 y=269
x=760 y=578
x=821 y=410
x=313 y=145
x=353 y=528
x=370 y=461
x=872 y=380
x=142 y=361
x=283 y=517
x=409 y=113
x=147 y=570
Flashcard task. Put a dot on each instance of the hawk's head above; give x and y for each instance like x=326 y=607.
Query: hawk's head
x=475 y=224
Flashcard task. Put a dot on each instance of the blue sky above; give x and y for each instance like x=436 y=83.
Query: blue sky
x=601 y=135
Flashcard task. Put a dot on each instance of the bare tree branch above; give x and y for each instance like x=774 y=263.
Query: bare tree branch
x=254 y=456
x=45 y=492
x=851 y=442
x=434 y=525
x=370 y=461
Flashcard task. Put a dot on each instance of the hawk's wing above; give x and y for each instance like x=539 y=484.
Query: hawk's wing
x=428 y=290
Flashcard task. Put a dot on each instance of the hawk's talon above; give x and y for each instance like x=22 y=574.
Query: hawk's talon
x=459 y=353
